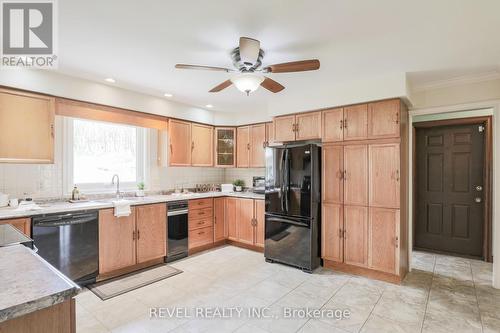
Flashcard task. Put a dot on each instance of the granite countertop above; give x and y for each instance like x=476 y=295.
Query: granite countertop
x=29 y=283
x=11 y=236
x=58 y=207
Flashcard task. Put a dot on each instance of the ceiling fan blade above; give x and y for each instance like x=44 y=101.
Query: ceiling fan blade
x=249 y=50
x=200 y=67
x=221 y=86
x=294 y=66
x=272 y=85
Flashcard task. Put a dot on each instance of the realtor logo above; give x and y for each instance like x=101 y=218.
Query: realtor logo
x=28 y=32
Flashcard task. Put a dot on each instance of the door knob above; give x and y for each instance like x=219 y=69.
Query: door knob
x=477 y=199
x=479 y=188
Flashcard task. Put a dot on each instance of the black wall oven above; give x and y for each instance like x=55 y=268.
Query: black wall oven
x=177 y=230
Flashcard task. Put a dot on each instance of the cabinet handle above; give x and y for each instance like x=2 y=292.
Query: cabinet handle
x=201 y=232
x=397 y=118
x=264 y=144
x=345 y=175
x=192 y=145
x=138 y=234
x=52 y=130
x=397 y=242
x=133 y=235
x=171 y=149
x=340 y=233
x=248 y=146
x=397 y=175
x=341 y=123
x=202 y=222
x=345 y=122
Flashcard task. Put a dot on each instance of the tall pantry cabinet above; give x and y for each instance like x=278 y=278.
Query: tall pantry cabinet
x=364 y=220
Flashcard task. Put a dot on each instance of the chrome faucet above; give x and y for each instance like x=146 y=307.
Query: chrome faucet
x=117 y=184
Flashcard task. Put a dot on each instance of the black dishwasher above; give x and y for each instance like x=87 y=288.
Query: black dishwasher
x=70 y=243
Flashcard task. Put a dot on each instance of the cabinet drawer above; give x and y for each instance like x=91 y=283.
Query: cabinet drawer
x=200 y=237
x=200 y=223
x=200 y=213
x=200 y=203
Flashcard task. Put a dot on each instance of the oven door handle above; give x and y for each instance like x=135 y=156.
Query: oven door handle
x=177 y=212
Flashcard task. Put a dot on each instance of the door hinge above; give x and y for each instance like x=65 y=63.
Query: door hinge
x=481 y=128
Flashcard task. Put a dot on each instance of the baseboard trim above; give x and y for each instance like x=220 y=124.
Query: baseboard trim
x=246 y=246
x=366 y=272
x=130 y=269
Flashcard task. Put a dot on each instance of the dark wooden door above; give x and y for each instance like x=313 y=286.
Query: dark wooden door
x=450 y=189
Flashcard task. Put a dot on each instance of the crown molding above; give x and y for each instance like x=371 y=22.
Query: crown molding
x=456 y=81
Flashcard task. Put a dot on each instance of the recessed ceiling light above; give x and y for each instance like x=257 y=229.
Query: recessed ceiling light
x=110 y=80
x=209 y=106
x=168 y=95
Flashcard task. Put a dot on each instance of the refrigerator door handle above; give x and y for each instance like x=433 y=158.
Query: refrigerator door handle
x=286 y=221
x=282 y=187
x=287 y=181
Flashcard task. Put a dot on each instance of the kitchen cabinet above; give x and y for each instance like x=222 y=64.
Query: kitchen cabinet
x=270 y=139
x=202 y=145
x=356 y=175
x=332 y=240
x=259 y=221
x=243 y=147
x=384 y=119
x=151 y=223
x=231 y=207
x=384 y=175
x=225 y=147
x=21 y=224
x=245 y=221
x=179 y=133
x=258 y=146
x=355 y=126
x=26 y=127
x=333 y=164
x=384 y=239
x=220 y=229
x=333 y=125
x=356 y=235
x=200 y=222
x=303 y=126
x=117 y=241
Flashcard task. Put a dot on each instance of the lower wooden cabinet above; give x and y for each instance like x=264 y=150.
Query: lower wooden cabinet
x=200 y=222
x=245 y=221
x=220 y=228
x=356 y=235
x=383 y=240
x=231 y=207
x=332 y=232
x=259 y=220
x=134 y=239
x=22 y=224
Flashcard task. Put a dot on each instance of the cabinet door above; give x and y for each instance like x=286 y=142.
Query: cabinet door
x=220 y=230
x=284 y=128
x=21 y=224
x=225 y=147
x=270 y=140
x=230 y=218
x=356 y=122
x=308 y=126
x=257 y=146
x=384 y=187
x=383 y=240
x=333 y=125
x=356 y=175
x=202 y=145
x=151 y=232
x=117 y=243
x=259 y=221
x=244 y=220
x=26 y=127
x=243 y=147
x=179 y=134
x=332 y=179
x=356 y=235
x=384 y=119
x=332 y=241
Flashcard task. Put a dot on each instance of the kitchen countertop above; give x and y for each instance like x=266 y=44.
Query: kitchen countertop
x=58 y=207
x=29 y=283
x=11 y=236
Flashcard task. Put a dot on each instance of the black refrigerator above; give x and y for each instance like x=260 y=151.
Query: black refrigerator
x=293 y=205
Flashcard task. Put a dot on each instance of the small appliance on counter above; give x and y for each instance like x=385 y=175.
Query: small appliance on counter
x=259 y=185
x=226 y=188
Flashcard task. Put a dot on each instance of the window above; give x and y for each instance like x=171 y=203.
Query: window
x=95 y=151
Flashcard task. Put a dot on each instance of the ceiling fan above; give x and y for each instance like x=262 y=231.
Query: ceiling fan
x=247 y=60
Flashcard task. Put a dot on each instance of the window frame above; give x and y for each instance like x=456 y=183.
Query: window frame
x=102 y=188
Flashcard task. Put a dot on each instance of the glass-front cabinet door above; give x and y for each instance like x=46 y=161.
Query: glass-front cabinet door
x=225 y=142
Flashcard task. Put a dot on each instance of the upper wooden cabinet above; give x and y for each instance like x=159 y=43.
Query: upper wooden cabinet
x=26 y=127
x=151 y=224
x=258 y=146
x=355 y=124
x=302 y=126
x=333 y=125
x=243 y=147
x=179 y=134
x=190 y=144
x=225 y=147
x=384 y=119
x=384 y=175
x=202 y=145
x=270 y=139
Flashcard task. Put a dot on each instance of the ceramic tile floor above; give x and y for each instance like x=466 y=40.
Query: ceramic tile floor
x=442 y=294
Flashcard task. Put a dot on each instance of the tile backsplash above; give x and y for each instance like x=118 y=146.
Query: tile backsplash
x=231 y=174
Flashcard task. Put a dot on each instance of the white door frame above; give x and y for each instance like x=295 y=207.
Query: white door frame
x=494 y=105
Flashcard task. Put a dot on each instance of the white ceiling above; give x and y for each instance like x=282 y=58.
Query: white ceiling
x=139 y=42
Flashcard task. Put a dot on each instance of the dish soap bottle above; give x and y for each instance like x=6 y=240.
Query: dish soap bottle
x=75 y=195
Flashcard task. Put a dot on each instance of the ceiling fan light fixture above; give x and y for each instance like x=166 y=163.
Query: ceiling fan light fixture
x=247 y=82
